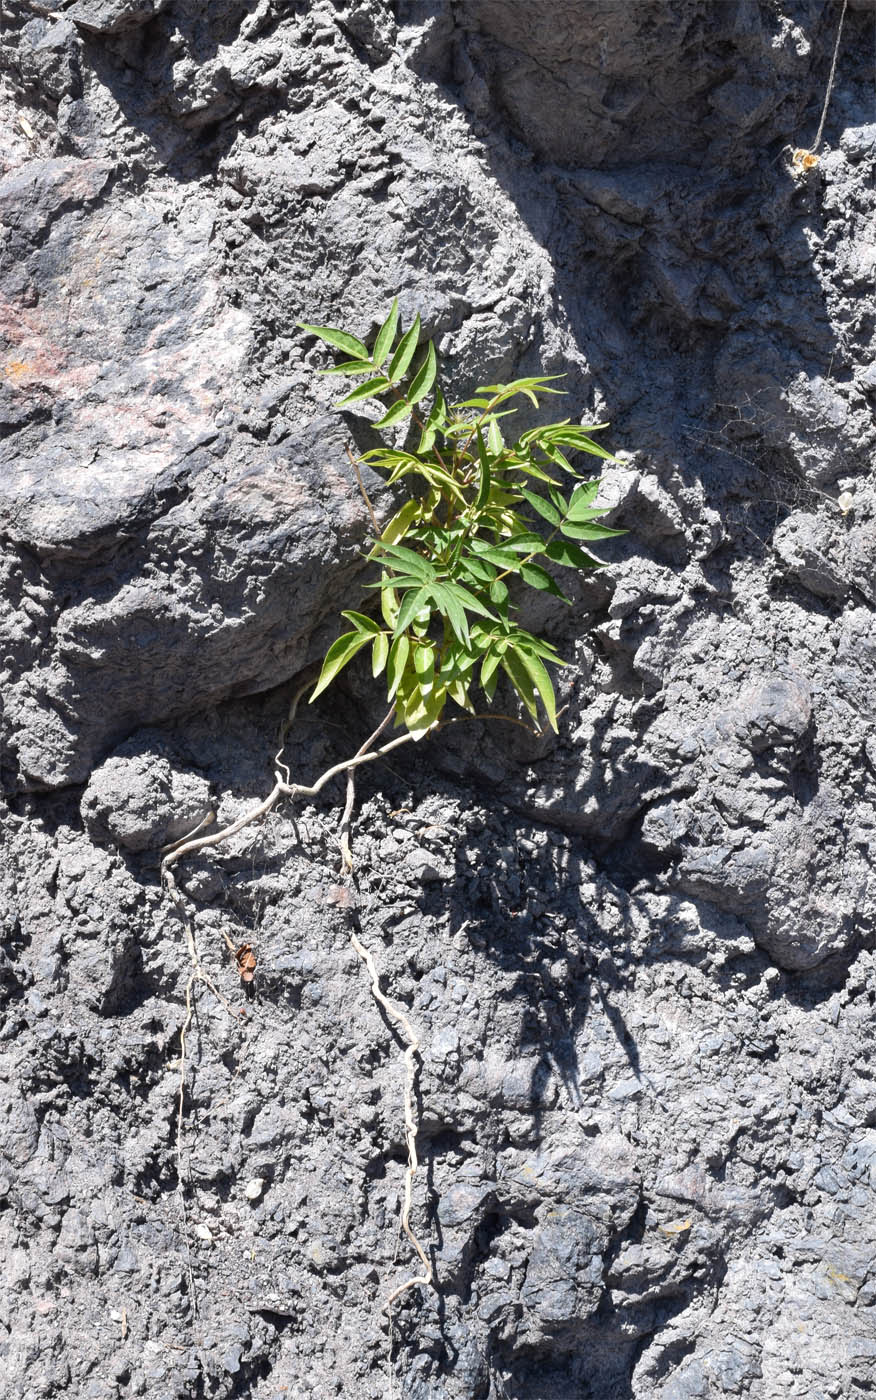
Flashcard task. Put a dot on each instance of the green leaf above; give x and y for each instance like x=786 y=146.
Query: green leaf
x=336 y=658
x=495 y=441
x=468 y=600
x=405 y=351
x=582 y=499
x=524 y=543
x=486 y=480
x=362 y=623
x=390 y=582
x=542 y=507
x=451 y=607
x=385 y=336
x=415 y=563
x=512 y=665
x=414 y=602
x=350 y=367
x=425 y=377
x=436 y=421
x=543 y=684
x=365 y=391
x=395 y=414
x=477 y=569
x=388 y=600
x=489 y=666
x=400 y=523
x=424 y=665
x=340 y=339
x=537 y=647
x=498 y=593
x=398 y=660
x=537 y=577
x=577 y=438
x=380 y=653
x=518 y=385
x=590 y=532
x=563 y=552
x=502 y=557
x=420 y=712
x=530 y=469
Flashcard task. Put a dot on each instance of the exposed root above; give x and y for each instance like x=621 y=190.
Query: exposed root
x=283 y=787
x=197 y=974
x=398 y=1017
x=411 y=1128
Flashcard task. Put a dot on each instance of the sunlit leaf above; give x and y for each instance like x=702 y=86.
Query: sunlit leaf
x=404 y=352
x=336 y=658
x=379 y=653
x=524 y=542
x=495 y=441
x=395 y=414
x=590 y=532
x=498 y=593
x=521 y=680
x=502 y=557
x=340 y=339
x=564 y=552
x=385 y=336
x=425 y=377
x=542 y=682
x=537 y=577
x=484 y=488
x=582 y=499
x=400 y=523
x=424 y=665
x=434 y=423
x=365 y=391
x=398 y=660
x=451 y=606
x=362 y=623
x=544 y=508
x=350 y=367
x=413 y=562
x=413 y=603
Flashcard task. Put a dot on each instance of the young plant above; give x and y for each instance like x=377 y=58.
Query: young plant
x=471 y=524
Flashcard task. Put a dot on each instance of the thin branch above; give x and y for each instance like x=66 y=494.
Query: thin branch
x=355 y=465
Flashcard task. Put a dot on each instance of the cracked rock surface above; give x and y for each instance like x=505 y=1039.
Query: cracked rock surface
x=639 y=955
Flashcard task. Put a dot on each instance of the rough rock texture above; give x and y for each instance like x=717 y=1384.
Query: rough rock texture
x=640 y=957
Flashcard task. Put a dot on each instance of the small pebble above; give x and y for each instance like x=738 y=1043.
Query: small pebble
x=254 y=1188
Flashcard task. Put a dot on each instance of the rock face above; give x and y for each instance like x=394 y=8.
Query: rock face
x=639 y=957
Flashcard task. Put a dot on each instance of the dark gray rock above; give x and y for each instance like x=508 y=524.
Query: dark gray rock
x=639 y=955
